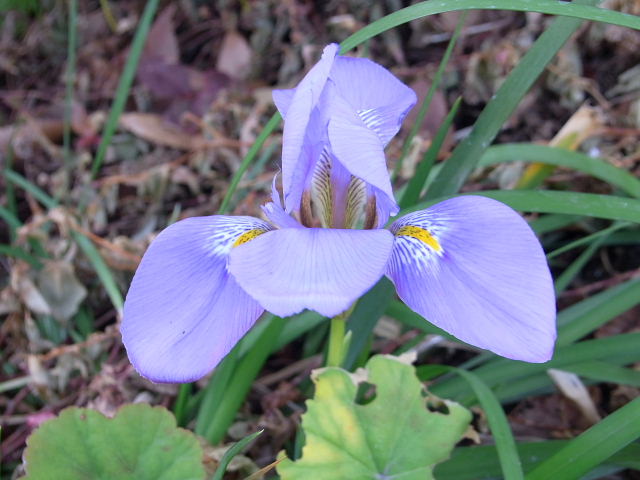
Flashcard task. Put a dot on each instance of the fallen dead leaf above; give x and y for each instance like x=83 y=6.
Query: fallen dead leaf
x=28 y=292
x=154 y=129
x=235 y=55
x=572 y=387
x=61 y=289
x=162 y=43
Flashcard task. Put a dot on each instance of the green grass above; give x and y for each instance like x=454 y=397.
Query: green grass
x=124 y=85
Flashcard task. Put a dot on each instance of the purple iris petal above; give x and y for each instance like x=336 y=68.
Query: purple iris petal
x=296 y=120
x=274 y=211
x=375 y=94
x=473 y=267
x=352 y=105
x=361 y=151
x=324 y=270
x=184 y=312
x=282 y=99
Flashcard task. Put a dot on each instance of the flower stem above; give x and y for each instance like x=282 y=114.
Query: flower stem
x=338 y=340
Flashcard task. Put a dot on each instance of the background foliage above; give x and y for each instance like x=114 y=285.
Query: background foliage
x=118 y=118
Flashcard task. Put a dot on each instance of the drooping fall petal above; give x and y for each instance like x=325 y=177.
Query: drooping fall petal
x=473 y=267
x=324 y=270
x=184 y=312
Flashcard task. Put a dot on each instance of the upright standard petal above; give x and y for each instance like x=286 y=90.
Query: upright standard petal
x=473 y=267
x=375 y=94
x=282 y=99
x=184 y=312
x=298 y=112
x=360 y=150
x=324 y=270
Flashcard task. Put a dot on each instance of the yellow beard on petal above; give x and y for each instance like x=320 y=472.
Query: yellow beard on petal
x=248 y=236
x=421 y=234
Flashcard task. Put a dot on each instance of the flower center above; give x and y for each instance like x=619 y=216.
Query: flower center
x=337 y=199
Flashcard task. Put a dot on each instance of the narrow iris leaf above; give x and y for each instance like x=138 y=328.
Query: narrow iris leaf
x=596 y=167
x=271 y=125
x=124 y=86
x=472 y=463
x=586 y=316
x=578 y=10
x=37 y=193
x=234 y=450
x=505 y=444
x=418 y=180
x=424 y=108
x=466 y=155
x=594 y=446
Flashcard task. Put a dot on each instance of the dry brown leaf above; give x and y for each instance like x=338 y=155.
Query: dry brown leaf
x=61 y=289
x=154 y=129
x=234 y=58
x=28 y=292
x=162 y=43
x=572 y=387
x=585 y=122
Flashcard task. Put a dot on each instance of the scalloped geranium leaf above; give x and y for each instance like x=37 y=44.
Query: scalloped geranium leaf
x=394 y=436
x=140 y=443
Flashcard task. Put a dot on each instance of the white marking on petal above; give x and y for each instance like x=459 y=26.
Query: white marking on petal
x=228 y=229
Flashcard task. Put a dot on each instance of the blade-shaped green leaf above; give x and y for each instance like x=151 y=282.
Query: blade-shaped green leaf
x=577 y=10
x=364 y=317
x=102 y=270
x=502 y=370
x=424 y=108
x=593 y=446
x=37 y=193
x=584 y=317
x=124 y=85
x=506 y=446
x=481 y=462
x=271 y=125
x=609 y=207
x=417 y=182
x=234 y=450
x=605 y=372
x=466 y=155
x=245 y=372
x=596 y=167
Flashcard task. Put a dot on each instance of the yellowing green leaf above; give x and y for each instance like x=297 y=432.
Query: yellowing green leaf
x=395 y=436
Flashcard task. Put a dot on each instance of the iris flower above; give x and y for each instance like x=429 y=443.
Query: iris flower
x=469 y=265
